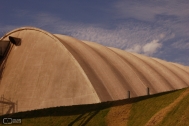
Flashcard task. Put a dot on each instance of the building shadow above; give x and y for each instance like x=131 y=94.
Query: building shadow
x=83 y=119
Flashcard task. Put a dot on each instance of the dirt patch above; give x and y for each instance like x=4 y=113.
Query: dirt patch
x=158 y=117
x=118 y=115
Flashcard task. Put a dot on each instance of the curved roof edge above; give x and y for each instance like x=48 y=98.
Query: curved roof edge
x=57 y=40
x=30 y=28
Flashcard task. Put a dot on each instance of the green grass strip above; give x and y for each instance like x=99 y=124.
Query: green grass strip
x=145 y=108
x=179 y=116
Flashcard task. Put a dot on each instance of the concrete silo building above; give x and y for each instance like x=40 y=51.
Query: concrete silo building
x=41 y=70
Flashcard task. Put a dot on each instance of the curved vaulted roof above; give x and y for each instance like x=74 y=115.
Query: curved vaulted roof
x=49 y=70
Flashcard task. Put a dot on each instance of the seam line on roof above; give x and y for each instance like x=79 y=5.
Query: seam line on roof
x=137 y=70
x=120 y=73
x=151 y=65
x=182 y=71
x=112 y=67
x=171 y=71
x=128 y=65
x=59 y=39
x=180 y=68
x=109 y=66
x=93 y=71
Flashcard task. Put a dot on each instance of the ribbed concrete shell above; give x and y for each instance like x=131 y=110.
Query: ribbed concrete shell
x=56 y=70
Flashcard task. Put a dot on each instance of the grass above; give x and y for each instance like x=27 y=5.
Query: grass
x=179 y=115
x=92 y=115
x=143 y=108
x=72 y=120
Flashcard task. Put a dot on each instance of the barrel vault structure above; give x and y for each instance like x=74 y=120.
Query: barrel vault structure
x=48 y=70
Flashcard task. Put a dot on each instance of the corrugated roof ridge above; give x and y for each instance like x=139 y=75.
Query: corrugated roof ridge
x=79 y=66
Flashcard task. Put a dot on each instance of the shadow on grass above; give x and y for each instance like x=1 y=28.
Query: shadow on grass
x=86 y=112
x=83 y=119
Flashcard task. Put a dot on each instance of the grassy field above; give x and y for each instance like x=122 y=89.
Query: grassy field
x=131 y=112
x=144 y=109
x=179 y=115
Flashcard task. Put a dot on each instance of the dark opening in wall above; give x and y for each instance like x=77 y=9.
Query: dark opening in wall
x=4 y=48
x=15 y=41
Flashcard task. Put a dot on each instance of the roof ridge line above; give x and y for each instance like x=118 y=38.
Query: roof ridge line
x=79 y=66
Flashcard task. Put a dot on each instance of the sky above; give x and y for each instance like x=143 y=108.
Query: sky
x=155 y=28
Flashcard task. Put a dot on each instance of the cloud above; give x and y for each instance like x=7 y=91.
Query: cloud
x=165 y=14
x=162 y=36
x=181 y=45
x=147 y=11
x=148 y=49
x=136 y=48
x=152 y=47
